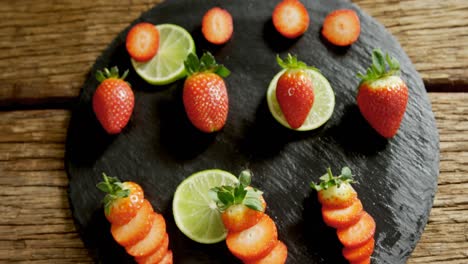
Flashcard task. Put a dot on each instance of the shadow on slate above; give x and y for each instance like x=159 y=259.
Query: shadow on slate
x=397 y=178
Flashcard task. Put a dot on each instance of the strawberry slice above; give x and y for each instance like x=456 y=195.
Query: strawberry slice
x=341 y=27
x=360 y=253
x=364 y=261
x=152 y=241
x=167 y=258
x=290 y=18
x=358 y=234
x=135 y=230
x=239 y=217
x=142 y=41
x=217 y=25
x=277 y=255
x=157 y=255
x=255 y=242
x=342 y=217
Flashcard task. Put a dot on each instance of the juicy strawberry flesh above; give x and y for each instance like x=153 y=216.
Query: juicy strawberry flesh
x=206 y=101
x=341 y=27
x=342 y=217
x=113 y=104
x=277 y=255
x=124 y=209
x=135 y=230
x=157 y=255
x=295 y=95
x=360 y=253
x=337 y=197
x=383 y=104
x=167 y=259
x=152 y=240
x=142 y=42
x=217 y=25
x=357 y=234
x=290 y=18
x=364 y=261
x=255 y=242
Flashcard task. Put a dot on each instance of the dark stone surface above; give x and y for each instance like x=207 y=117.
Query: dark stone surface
x=397 y=178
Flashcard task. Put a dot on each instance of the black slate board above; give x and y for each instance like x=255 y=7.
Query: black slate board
x=159 y=148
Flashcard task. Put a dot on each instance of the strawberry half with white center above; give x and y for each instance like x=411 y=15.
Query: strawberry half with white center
x=383 y=95
x=295 y=91
x=205 y=95
x=290 y=18
x=113 y=100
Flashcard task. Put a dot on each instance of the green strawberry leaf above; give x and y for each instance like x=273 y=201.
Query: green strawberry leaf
x=291 y=62
x=104 y=74
x=382 y=66
x=328 y=180
x=206 y=63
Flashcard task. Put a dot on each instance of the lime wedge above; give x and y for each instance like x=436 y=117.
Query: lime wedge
x=195 y=213
x=323 y=106
x=175 y=43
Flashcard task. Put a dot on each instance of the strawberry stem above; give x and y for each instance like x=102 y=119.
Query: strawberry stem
x=328 y=180
x=382 y=66
x=291 y=62
x=104 y=74
x=206 y=63
x=114 y=190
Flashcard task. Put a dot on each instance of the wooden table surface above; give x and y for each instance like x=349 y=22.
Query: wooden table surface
x=48 y=47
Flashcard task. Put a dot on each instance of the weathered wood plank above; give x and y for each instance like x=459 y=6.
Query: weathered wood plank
x=48 y=47
x=37 y=226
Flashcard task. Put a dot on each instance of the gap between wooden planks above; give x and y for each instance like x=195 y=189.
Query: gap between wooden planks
x=37 y=227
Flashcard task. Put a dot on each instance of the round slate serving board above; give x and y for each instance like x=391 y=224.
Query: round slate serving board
x=397 y=178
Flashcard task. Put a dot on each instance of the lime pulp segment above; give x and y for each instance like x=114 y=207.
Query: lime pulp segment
x=175 y=43
x=323 y=106
x=195 y=213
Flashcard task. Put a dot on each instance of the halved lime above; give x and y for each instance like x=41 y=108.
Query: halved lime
x=323 y=106
x=195 y=213
x=175 y=43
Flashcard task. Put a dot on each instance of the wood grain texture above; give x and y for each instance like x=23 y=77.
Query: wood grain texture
x=48 y=47
x=37 y=226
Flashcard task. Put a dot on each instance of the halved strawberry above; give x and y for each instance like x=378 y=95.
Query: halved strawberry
x=359 y=233
x=167 y=259
x=122 y=200
x=341 y=27
x=290 y=18
x=217 y=25
x=277 y=255
x=142 y=41
x=157 y=255
x=152 y=241
x=135 y=230
x=360 y=253
x=364 y=261
x=255 y=242
x=336 y=191
x=342 y=217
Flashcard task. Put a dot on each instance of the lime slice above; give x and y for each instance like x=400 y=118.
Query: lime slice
x=175 y=43
x=323 y=106
x=195 y=213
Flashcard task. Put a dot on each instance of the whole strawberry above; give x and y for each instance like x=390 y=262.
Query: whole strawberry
x=205 y=96
x=113 y=100
x=382 y=95
x=295 y=91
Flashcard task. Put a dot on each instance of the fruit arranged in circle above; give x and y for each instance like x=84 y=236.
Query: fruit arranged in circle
x=217 y=25
x=382 y=96
x=167 y=66
x=341 y=27
x=113 y=100
x=355 y=227
x=134 y=224
x=299 y=97
x=142 y=41
x=290 y=18
x=205 y=95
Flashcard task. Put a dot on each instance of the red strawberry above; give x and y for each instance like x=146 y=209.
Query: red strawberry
x=153 y=239
x=341 y=27
x=382 y=95
x=336 y=191
x=290 y=18
x=205 y=96
x=255 y=242
x=295 y=91
x=342 y=217
x=364 y=261
x=358 y=234
x=142 y=41
x=360 y=253
x=217 y=26
x=122 y=201
x=277 y=255
x=113 y=100
x=157 y=255
x=167 y=259
x=135 y=230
